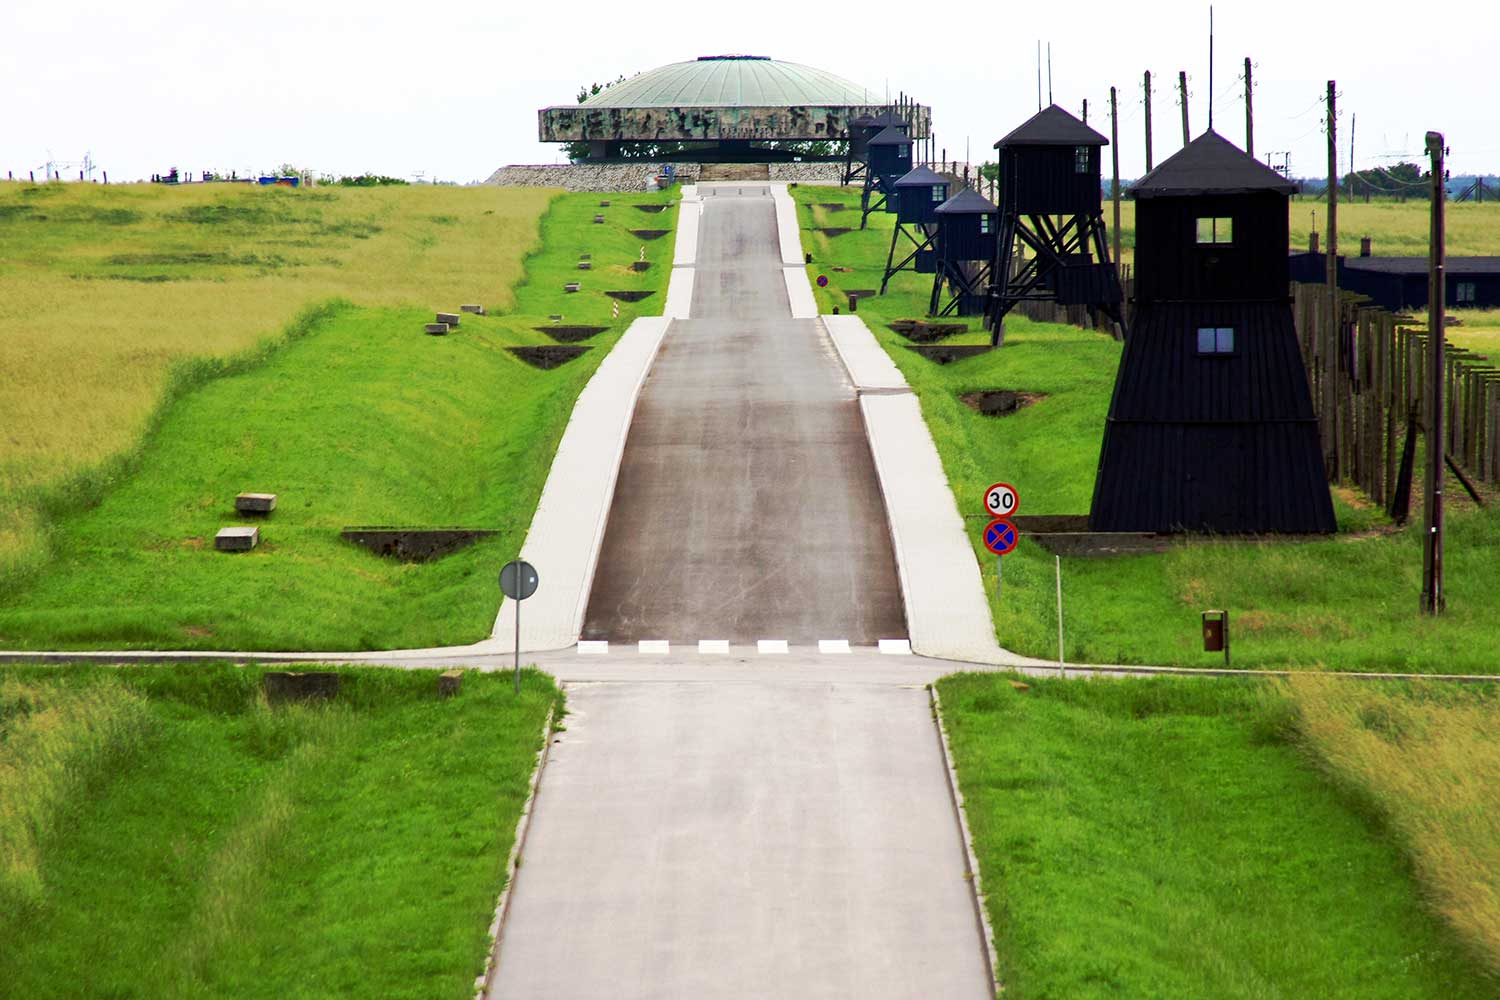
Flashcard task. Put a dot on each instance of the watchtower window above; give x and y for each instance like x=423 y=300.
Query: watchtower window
x=903 y=151
x=1465 y=292
x=984 y=225
x=1215 y=231
x=939 y=193
x=1081 y=163
x=1215 y=340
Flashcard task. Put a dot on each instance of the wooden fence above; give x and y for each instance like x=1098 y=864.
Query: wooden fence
x=1369 y=379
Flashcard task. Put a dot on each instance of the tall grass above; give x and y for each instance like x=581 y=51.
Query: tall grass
x=104 y=291
x=1165 y=837
x=353 y=848
x=1428 y=760
x=1399 y=229
x=54 y=741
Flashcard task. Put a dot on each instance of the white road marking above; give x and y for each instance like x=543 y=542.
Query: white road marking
x=771 y=646
x=654 y=647
x=833 y=645
x=592 y=647
x=718 y=647
x=896 y=647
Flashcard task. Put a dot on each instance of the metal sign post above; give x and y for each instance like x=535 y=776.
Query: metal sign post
x=518 y=581
x=1000 y=535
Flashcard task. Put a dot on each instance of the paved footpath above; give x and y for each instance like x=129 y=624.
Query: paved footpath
x=744 y=826
x=723 y=839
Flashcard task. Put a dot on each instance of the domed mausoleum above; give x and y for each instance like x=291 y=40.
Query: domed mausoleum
x=727 y=108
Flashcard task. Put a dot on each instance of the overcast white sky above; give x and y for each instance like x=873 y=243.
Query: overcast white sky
x=450 y=88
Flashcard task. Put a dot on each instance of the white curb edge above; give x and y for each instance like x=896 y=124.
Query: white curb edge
x=976 y=890
x=485 y=980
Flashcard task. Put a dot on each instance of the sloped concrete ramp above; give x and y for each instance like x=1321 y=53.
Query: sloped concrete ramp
x=747 y=505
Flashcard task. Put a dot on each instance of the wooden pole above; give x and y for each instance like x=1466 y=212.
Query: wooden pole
x=1434 y=600
x=1249 y=111
x=1148 y=121
x=1114 y=148
x=1332 y=266
x=1182 y=96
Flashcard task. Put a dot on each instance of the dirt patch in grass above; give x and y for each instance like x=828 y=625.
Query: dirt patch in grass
x=924 y=331
x=547 y=356
x=947 y=354
x=1000 y=402
x=570 y=334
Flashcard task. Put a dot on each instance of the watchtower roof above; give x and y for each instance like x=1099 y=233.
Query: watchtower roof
x=1210 y=164
x=968 y=202
x=921 y=177
x=890 y=136
x=1052 y=126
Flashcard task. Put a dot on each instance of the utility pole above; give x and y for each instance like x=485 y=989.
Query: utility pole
x=1114 y=188
x=1333 y=249
x=1085 y=110
x=1434 y=601
x=1353 y=120
x=1182 y=91
x=1114 y=148
x=1249 y=111
x=1148 y=121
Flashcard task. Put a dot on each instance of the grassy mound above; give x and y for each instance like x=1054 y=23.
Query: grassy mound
x=359 y=419
x=105 y=292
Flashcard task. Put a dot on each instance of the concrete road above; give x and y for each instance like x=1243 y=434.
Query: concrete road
x=747 y=505
x=728 y=839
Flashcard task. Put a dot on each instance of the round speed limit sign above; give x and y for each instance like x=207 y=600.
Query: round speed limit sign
x=1000 y=500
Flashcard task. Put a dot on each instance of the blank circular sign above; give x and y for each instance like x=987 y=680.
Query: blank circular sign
x=518 y=580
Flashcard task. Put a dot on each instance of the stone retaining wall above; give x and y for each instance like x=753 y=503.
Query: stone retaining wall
x=633 y=176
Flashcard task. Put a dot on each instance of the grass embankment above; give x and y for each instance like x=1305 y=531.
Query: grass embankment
x=1170 y=838
x=165 y=833
x=106 y=291
x=1348 y=603
x=361 y=420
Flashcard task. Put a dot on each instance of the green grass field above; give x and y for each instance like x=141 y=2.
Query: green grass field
x=1169 y=838
x=164 y=833
x=356 y=419
x=1348 y=603
x=113 y=300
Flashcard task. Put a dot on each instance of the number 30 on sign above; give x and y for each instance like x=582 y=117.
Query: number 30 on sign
x=1000 y=500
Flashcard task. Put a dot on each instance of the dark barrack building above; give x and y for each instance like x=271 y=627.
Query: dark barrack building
x=1400 y=283
x=1211 y=427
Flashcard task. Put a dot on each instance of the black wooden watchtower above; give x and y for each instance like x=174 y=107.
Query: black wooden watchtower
x=1051 y=205
x=967 y=230
x=889 y=158
x=861 y=131
x=917 y=197
x=1211 y=427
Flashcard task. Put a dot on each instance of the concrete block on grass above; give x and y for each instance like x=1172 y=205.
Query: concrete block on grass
x=239 y=539
x=436 y=329
x=255 y=503
x=476 y=309
x=449 y=683
x=450 y=318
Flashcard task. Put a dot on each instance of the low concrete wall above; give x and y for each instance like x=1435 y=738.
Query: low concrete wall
x=633 y=176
